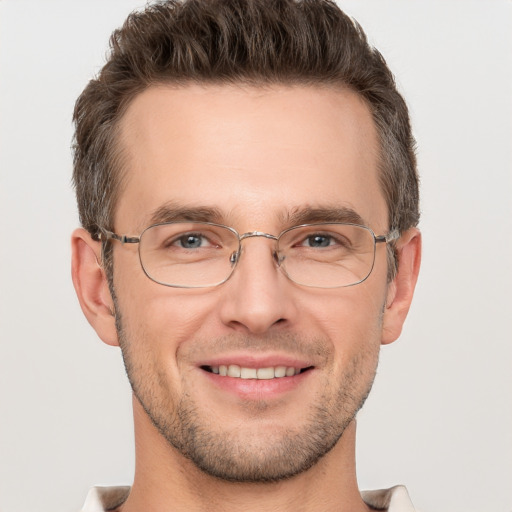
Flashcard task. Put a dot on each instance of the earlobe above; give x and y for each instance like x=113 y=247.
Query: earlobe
x=401 y=289
x=91 y=285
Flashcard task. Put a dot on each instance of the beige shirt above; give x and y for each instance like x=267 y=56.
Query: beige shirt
x=396 y=499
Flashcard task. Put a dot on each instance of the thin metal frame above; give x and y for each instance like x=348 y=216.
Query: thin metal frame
x=391 y=236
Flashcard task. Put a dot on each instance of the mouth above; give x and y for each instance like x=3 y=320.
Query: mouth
x=266 y=373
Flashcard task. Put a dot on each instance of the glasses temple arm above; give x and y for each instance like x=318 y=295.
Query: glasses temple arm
x=109 y=235
x=393 y=235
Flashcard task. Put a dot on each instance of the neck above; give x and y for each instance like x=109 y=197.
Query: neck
x=166 y=481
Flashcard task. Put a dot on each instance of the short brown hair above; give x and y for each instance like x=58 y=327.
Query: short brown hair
x=310 y=42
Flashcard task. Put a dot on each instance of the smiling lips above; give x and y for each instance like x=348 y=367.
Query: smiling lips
x=241 y=372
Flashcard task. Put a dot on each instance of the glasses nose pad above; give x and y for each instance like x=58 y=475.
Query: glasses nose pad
x=277 y=258
x=233 y=259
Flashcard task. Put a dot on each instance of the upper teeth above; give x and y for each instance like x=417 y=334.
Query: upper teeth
x=233 y=370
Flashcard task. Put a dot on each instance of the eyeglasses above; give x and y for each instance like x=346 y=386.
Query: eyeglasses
x=204 y=254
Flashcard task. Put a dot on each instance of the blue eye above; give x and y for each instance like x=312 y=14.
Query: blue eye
x=190 y=241
x=318 y=241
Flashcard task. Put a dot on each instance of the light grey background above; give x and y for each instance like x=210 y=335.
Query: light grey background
x=440 y=416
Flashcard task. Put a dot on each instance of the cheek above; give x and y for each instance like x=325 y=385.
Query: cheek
x=160 y=316
x=351 y=319
x=354 y=312
x=154 y=328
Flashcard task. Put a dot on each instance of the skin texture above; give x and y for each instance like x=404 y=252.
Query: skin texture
x=256 y=156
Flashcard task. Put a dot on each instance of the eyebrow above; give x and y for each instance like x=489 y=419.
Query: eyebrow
x=174 y=212
x=311 y=215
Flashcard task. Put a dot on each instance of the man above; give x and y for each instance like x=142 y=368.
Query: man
x=247 y=186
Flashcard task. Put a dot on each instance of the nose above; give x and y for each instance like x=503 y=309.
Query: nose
x=257 y=297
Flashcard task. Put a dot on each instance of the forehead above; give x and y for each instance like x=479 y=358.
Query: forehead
x=253 y=154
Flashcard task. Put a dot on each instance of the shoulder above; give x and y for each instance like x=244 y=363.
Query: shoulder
x=103 y=499
x=395 y=499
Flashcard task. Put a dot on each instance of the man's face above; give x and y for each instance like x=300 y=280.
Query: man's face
x=256 y=157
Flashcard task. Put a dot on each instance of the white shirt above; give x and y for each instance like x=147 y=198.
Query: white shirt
x=396 y=499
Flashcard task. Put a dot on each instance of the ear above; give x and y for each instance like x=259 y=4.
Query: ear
x=401 y=289
x=91 y=285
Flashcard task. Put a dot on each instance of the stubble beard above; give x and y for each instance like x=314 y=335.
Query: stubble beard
x=235 y=455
